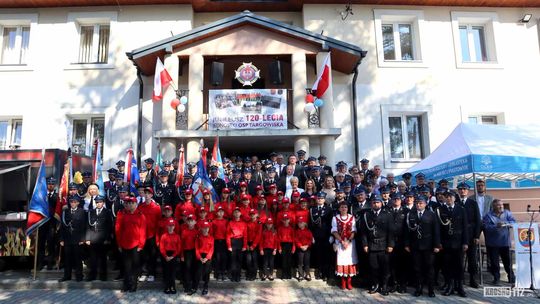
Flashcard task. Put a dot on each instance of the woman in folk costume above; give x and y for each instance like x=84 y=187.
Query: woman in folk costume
x=343 y=230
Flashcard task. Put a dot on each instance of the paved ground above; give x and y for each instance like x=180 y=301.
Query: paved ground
x=24 y=290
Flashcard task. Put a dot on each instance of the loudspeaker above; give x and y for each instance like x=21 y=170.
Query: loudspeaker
x=216 y=75
x=276 y=74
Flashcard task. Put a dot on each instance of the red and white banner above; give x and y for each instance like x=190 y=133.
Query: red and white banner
x=323 y=78
x=161 y=80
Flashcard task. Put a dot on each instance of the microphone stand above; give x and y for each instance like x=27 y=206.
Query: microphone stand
x=529 y=239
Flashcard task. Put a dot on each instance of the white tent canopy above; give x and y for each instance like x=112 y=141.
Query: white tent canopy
x=499 y=152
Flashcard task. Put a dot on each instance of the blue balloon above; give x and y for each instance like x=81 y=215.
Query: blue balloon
x=183 y=100
x=318 y=102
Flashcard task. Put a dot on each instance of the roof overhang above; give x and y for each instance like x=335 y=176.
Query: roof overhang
x=345 y=56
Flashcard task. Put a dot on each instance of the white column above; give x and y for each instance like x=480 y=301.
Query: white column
x=302 y=143
x=299 y=85
x=168 y=114
x=195 y=97
x=326 y=116
x=193 y=146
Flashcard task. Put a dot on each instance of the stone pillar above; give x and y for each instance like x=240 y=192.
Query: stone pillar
x=299 y=85
x=195 y=96
x=326 y=116
x=192 y=150
x=168 y=118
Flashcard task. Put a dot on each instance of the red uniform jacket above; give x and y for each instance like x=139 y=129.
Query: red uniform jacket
x=254 y=230
x=162 y=228
x=185 y=206
x=170 y=242
x=152 y=213
x=204 y=244
x=219 y=229
x=130 y=229
x=301 y=212
x=245 y=212
x=303 y=237
x=263 y=215
x=286 y=235
x=228 y=207
x=279 y=218
x=200 y=223
x=188 y=238
x=269 y=240
x=236 y=230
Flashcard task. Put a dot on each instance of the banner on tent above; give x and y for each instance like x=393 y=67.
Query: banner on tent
x=521 y=240
x=455 y=167
x=247 y=109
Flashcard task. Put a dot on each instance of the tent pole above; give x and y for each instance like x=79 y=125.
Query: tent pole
x=479 y=245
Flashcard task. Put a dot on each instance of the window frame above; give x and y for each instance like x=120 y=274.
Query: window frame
x=415 y=18
x=499 y=118
x=490 y=23
x=393 y=110
x=10 y=132
x=89 y=138
x=75 y=22
x=19 y=21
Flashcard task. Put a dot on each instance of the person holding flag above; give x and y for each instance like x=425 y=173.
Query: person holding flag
x=131 y=176
x=201 y=180
x=48 y=229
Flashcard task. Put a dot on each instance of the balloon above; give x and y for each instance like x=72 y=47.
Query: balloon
x=174 y=103
x=309 y=98
x=181 y=108
x=318 y=102
x=309 y=108
x=183 y=100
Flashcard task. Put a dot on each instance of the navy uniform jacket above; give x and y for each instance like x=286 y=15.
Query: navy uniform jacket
x=474 y=222
x=53 y=200
x=73 y=228
x=165 y=194
x=83 y=188
x=326 y=171
x=376 y=231
x=399 y=225
x=218 y=184
x=321 y=221
x=234 y=186
x=251 y=187
x=267 y=182
x=99 y=228
x=454 y=232
x=424 y=233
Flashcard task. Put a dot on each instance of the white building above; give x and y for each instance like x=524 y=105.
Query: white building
x=427 y=68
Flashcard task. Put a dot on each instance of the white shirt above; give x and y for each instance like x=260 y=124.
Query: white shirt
x=288 y=182
x=480 y=200
x=288 y=193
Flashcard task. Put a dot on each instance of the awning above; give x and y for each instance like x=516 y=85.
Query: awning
x=6 y=168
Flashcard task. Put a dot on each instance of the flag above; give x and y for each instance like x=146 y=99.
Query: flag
x=64 y=184
x=180 y=172
x=131 y=176
x=216 y=159
x=38 y=208
x=323 y=79
x=161 y=80
x=159 y=160
x=97 y=176
x=202 y=181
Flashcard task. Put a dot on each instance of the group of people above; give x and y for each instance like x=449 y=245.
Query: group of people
x=356 y=223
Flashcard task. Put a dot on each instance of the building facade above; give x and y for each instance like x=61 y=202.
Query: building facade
x=403 y=76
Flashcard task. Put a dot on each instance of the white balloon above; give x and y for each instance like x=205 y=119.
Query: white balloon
x=181 y=108
x=309 y=108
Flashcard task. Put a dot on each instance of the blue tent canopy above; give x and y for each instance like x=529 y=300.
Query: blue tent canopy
x=502 y=153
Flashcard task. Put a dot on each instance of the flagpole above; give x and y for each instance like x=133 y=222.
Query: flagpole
x=36 y=253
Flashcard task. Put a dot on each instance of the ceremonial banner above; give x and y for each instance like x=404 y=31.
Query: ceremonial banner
x=247 y=109
x=523 y=273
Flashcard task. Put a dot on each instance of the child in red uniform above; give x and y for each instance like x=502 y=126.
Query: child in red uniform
x=163 y=223
x=302 y=210
x=236 y=243
x=203 y=217
x=262 y=209
x=245 y=207
x=170 y=247
x=187 y=205
x=254 y=229
x=286 y=246
x=286 y=210
x=258 y=193
x=242 y=189
x=189 y=235
x=219 y=229
x=303 y=239
x=268 y=247
x=226 y=203
x=295 y=201
x=152 y=213
x=204 y=250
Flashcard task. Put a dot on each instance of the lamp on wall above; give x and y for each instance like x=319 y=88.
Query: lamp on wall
x=345 y=13
x=526 y=18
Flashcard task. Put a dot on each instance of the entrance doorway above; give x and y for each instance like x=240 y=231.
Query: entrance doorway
x=260 y=146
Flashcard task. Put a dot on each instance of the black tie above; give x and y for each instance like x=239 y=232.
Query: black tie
x=98 y=211
x=420 y=216
x=451 y=209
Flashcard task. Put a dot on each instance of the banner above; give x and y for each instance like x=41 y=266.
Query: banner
x=523 y=273
x=247 y=109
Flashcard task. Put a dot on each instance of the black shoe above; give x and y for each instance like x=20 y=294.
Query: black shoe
x=307 y=277
x=119 y=278
x=173 y=290
x=384 y=291
x=166 y=290
x=79 y=279
x=402 y=289
x=64 y=279
x=392 y=288
x=90 y=279
x=418 y=292
x=299 y=278
x=495 y=282
x=271 y=278
x=204 y=292
x=460 y=291
x=431 y=294
x=186 y=291
x=374 y=289
x=192 y=292
x=124 y=289
x=473 y=283
x=511 y=278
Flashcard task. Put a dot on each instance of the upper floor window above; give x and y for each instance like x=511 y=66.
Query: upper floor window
x=85 y=132
x=475 y=39
x=398 y=34
x=405 y=132
x=10 y=133
x=486 y=119
x=15 y=41
x=94 y=43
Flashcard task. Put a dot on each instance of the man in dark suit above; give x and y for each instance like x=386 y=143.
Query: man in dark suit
x=422 y=240
x=111 y=183
x=474 y=225
x=454 y=239
x=378 y=242
x=270 y=179
x=400 y=260
x=357 y=209
x=293 y=161
x=320 y=224
x=72 y=236
x=165 y=193
x=251 y=184
x=326 y=170
x=47 y=231
x=151 y=174
x=217 y=182
x=234 y=183
x=98 y=235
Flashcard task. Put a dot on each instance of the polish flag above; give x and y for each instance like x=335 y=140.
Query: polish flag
x=161 y=80
x=323 y=79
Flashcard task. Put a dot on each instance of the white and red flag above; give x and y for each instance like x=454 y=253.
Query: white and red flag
x=323 y=78
x=161 y=80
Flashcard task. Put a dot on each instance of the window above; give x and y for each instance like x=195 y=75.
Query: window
x=10 y=133
x=398 y=34
x=405 y=132
x=484 y=119
x=94 y=43
x=91 y=40
x=15 y=42
x=85 y=132
x=474 y=39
